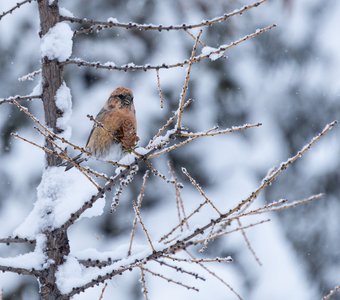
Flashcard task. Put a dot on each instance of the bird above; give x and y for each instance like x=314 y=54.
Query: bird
x=114 y=132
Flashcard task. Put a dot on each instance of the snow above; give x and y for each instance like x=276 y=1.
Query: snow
x=65 y=12
x=57 y=42
x=113 y=20
x=210 y=52
x=109 y=64
x=37 y=90
x=64 y=103
x=69 y=275
x=32 y=260
x=59 y=195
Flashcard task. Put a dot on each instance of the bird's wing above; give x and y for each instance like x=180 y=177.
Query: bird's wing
x=98 y=118
x=129 y=138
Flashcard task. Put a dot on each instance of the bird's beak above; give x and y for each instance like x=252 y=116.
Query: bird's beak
x=128 y=100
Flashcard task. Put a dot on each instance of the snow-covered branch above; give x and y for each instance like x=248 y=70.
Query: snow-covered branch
x=19 y=98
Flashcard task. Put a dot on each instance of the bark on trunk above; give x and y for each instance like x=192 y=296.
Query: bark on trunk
x=52 y=75
x=57 y=245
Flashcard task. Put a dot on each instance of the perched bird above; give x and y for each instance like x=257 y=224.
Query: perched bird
x=115 y=128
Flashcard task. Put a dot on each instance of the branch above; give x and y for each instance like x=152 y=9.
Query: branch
x=20 y=271
x=15 y=240
x=18 y=5
x=19 y=98
x=186 y=83
x=244 y=204
x=133 y=67
x=191 y=139
x=98 y=25
x=171 y=280
x=331 y=293
x=217 y=277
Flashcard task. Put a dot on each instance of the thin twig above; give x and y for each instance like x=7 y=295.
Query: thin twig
x=101 y=297
x=20 y=271
x=179 y=200
x=15 y=240
x=198 y=187
x=191 y=139
x=18 y=5
x=19 y=98
x=331 y=293
x=143 y=283
x=179 y=269
x=29 y=76
x=222 y=233
x=251 y=249
x=186 y=83
x=138 y=206
x=168 y=123
x=217 y=277
x=160 y=92
x=171 y=280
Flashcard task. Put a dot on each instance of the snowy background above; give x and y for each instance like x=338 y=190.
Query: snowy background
x=288 y=79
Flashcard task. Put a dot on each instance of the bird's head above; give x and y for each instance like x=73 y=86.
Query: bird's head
x=122 y=96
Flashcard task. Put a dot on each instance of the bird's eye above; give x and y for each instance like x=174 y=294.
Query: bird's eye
x=121 y=96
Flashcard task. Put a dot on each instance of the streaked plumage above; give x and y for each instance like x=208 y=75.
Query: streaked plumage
x=119 y=131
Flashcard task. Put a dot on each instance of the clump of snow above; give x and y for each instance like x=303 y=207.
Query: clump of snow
x=113 y=20
x=59 y=195
x=65 y=12
x=69 y=274
x=109 y=64
x=142 y=150
x=212 y=52
x=57 y=42
x=37 y=89
x=32 y=260
x=63 y=100
x=72 y=274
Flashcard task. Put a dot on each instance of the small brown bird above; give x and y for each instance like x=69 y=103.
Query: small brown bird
x=115 y=130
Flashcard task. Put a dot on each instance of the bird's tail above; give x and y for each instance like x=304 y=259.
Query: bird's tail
x=76 y=160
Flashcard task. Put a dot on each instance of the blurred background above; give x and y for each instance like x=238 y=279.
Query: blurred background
x=288 y=79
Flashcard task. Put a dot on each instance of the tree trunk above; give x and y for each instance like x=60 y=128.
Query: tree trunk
x=52 y=76
x=57 y=245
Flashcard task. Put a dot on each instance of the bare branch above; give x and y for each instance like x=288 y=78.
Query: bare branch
x=269 y=180
x=198 y=187
x=171 y=280
x=186 y=83
x=20 y=271
x=217 y=277
x=191 y=139
x=160 y=92
x=133 y=67
x=251 y=249
x=179 y=200
x=16 y=240
x=101 y=297
x=166 y=125
x=18 y=5
x=99 y=25
x=137 y=207
x=222 y=233
x=181 y=270
x=143 y=282
x=331 y=293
